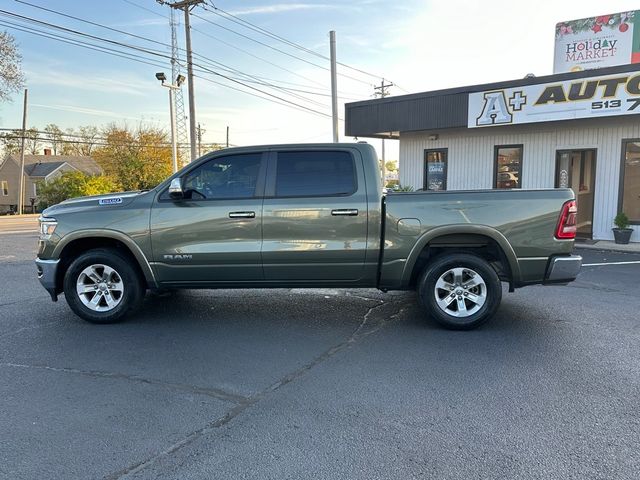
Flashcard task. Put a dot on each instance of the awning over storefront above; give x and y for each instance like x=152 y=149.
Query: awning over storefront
x=566 y=96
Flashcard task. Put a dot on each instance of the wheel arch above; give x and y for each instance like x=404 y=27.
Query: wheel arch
x=79 y=242
x=484 y=241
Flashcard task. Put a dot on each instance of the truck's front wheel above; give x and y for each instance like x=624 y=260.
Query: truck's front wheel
x=101 y=286
x=460 y=291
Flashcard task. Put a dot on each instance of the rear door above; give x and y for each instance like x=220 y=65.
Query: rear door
x=315 y=217
x=213 y=235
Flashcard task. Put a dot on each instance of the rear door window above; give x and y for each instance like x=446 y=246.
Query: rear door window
x=315 y=174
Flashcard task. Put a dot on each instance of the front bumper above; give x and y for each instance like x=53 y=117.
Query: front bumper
x=47 y=270
x=563 y=269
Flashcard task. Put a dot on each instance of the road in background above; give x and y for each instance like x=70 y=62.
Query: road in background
x=321 y=384
x=13 y=224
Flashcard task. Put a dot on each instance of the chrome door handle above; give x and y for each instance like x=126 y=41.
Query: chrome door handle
x=242 y=214
x=351 y=212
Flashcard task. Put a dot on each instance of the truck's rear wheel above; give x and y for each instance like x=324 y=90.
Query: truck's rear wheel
x=460 y=291
x=101 y=286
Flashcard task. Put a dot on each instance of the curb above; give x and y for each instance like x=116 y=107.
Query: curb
x=607 y=248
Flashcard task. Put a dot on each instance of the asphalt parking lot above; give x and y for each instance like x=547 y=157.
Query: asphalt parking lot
x=320 y=384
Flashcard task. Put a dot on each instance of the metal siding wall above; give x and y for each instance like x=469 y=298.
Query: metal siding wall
x=471 y=153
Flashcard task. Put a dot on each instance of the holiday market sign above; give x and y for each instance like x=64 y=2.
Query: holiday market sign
x=590 y=97
x=597 y=42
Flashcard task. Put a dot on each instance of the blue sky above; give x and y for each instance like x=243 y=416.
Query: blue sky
x=419 y=44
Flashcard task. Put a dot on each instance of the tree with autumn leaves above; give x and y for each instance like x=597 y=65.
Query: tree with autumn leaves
x=131 y=159
x=134 y=159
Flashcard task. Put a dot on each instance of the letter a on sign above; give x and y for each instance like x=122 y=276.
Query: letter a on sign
x=495 y=110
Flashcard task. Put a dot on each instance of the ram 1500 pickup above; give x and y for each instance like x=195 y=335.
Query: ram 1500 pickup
x=305 y=216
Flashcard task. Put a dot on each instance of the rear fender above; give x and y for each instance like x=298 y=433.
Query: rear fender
x=489 y=232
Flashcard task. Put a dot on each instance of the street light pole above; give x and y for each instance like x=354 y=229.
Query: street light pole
x=174 y=136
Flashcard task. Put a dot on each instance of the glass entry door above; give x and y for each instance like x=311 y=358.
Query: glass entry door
x=576 y=169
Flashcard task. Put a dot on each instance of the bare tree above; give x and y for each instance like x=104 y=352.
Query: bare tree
x=69 y=147
x=31 y=141
x=11 y=76
x=89 y=137
x=10 y=142
x=54 y=137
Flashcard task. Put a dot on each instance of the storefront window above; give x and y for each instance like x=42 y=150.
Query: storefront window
x=435 y=175
x=508 y=166
x=631 y=181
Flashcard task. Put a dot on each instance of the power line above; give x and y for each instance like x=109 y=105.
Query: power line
x=130 y=56
x=245 y=23
x=276 y=49
x=231 y=70
x=262 y=81
x=44 y=137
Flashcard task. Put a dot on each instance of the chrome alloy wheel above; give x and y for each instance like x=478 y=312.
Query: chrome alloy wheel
x=460 y=292
x=100 y=288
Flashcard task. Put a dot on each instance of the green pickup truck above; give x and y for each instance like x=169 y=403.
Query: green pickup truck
x=286 y=216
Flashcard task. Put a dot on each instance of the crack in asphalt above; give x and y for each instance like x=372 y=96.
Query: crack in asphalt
x=255 y=398
x=32 y=327
x=211 y=392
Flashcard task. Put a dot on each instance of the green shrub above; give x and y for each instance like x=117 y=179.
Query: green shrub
x=71 y=185
x=621 y=220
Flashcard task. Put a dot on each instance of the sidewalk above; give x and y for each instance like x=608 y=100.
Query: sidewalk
x=632 y=247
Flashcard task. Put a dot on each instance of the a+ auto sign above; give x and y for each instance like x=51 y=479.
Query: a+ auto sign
x=592 y=97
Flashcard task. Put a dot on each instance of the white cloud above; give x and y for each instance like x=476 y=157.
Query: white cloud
x=103 y=82
x=283 y=7
x=85 y=111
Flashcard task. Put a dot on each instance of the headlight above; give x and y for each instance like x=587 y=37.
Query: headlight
x=47 y=227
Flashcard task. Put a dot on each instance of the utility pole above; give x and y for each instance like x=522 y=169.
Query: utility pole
x=334 y=86
x=24 y=134
x=382 y=92
x=186 y=6
x=199 y=133
x=227 y=136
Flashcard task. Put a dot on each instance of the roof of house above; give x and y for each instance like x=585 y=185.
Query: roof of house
x=85 y=164
x=438 y=109
x=42 y=169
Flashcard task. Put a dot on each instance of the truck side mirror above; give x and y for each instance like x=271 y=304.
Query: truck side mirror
x=175 y=189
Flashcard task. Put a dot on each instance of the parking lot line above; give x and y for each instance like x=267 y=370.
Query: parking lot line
x=610 y=263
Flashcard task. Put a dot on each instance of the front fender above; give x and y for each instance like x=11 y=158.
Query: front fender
x=133 y=247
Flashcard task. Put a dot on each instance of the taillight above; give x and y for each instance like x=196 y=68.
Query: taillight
x=566 y=228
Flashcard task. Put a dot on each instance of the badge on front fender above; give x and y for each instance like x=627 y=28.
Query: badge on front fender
x=110 y=201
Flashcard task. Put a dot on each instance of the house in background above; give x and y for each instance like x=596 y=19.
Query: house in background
x=37 y=168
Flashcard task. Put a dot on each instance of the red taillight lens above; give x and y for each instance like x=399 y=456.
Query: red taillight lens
x=566 y=228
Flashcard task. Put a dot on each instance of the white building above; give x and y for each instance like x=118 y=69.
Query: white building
x=578 y=130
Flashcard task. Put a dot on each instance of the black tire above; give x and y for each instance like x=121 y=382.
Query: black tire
x=126 y=276
x=456 y=316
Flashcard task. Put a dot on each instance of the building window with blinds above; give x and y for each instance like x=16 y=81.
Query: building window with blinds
x=630 y=175
x=508 y=166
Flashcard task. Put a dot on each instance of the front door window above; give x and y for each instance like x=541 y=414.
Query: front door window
x=576 y=169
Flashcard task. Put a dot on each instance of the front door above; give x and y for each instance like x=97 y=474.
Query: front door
x=315 y=217
x=214 y=233
x=576 y=169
